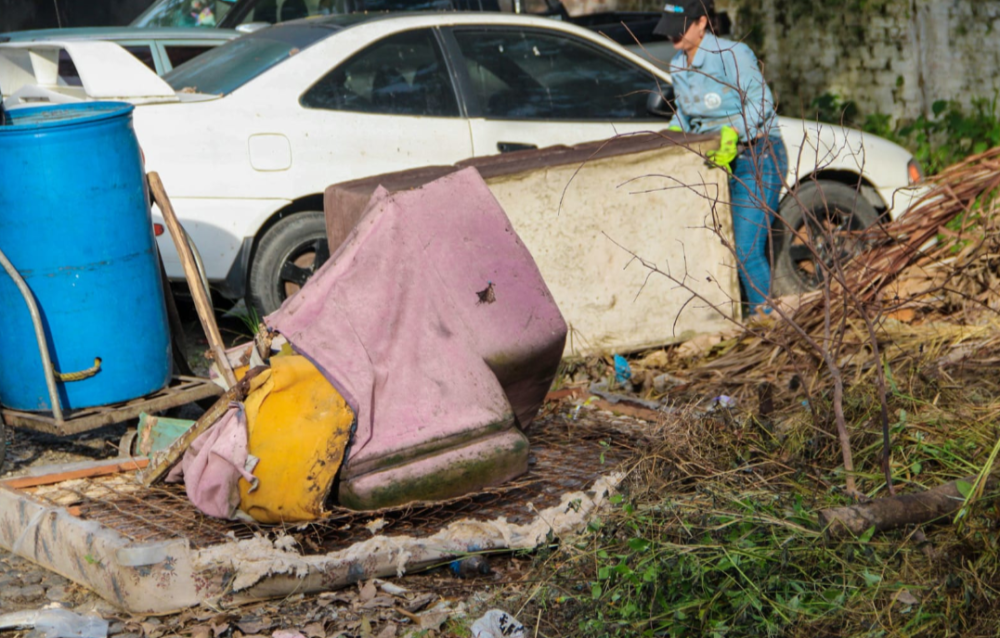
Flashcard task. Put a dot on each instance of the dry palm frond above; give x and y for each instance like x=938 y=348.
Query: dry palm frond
x=914 y=266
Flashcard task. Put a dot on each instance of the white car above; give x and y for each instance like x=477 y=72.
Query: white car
x=248 y=136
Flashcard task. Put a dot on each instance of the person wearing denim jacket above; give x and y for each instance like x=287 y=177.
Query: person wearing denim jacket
x=719 y=88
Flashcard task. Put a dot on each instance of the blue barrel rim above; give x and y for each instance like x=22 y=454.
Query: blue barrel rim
x=77 y=113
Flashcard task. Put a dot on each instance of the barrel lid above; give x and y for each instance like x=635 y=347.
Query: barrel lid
x=55 y=115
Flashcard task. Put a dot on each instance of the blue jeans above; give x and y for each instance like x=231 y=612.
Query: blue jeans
x=754 y=191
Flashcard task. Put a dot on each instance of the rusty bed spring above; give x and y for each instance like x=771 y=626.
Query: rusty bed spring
x=565 y=456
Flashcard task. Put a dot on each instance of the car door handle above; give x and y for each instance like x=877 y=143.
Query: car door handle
x=510 y=147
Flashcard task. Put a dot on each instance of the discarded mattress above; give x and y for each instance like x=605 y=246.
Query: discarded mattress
x=148 y=550
x=434 y=324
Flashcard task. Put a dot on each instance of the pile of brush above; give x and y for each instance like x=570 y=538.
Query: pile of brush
x=928 y=284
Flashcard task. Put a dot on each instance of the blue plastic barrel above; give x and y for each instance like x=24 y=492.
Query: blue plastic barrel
x=75 y=223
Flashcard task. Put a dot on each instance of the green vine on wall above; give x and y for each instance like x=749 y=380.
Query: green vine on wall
x=950 y=134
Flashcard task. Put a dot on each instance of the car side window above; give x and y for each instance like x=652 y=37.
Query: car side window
x=531 y=75
x=178 y=54
x=183 y=13
x=275 y=11
x=403 y=74
x=68 y=74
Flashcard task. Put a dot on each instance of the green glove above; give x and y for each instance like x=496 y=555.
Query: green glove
x=726 y=153
x=675 y=128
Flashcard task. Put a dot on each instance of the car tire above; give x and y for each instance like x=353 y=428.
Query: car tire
x=820 y=203
x=288 y=254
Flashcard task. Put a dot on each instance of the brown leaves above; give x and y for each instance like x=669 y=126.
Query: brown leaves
x=367 y=592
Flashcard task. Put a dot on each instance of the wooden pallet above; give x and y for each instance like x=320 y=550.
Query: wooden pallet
x=180 y=391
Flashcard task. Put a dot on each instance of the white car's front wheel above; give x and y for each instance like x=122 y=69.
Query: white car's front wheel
x=288 y=254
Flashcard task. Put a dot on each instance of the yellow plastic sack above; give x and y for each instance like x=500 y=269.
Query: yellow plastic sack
x=298 y=425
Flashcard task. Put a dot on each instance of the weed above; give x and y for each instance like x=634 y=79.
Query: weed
x=722 y=541
x=250 y=319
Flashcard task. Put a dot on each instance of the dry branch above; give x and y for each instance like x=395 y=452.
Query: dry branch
x=898 y=259
x=896 y=511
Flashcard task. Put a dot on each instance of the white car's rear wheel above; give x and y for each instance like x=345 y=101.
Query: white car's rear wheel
x=288 y=254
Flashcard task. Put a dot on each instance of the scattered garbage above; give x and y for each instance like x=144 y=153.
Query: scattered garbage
x=623 y=372
x=601 y=389
x=214 y=464
x=299 y=410
x=471 y=567
x=56 y=623
x=454 y=422
x=665 y=381
x=390 y=588
x=497 y=623
x=722 y=402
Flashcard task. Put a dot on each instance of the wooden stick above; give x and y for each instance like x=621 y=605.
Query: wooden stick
x=50 y=479
x=201 y=301
x=163 y=460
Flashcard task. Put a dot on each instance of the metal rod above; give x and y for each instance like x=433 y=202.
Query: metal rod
x=43 y=345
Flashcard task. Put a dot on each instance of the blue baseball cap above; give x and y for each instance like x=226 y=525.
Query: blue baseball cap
x=678 y=15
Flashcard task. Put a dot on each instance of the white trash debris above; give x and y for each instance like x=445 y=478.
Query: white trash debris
x=497 y=623
x=56 y=623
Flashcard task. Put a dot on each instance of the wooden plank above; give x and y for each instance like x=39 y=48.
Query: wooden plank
x=621 y=408
x=130 y=465
x=624 y=409
x=92 y=418
x=201 y=301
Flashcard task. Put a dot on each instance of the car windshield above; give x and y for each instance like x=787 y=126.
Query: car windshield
x=228 y=67
x=184 y=13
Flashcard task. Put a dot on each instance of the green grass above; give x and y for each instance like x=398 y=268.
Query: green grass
x=727 y=545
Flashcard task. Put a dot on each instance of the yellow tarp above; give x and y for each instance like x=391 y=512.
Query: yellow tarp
x=298 y=425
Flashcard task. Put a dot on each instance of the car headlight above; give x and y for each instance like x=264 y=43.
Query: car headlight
x=914 y=172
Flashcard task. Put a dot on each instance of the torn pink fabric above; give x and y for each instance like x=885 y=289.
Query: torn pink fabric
x=212 y=467
x=431 y=319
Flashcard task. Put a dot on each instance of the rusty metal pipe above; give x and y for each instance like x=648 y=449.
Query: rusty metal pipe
x=43 y=346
